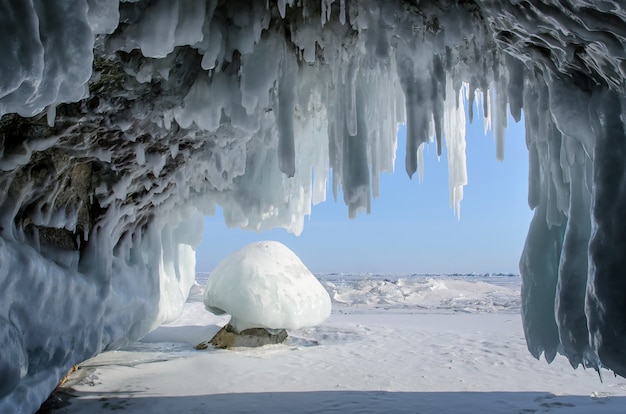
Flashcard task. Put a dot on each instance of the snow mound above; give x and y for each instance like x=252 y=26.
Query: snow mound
x=265 y=285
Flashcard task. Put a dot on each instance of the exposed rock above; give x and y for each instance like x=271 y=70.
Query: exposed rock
x=227 y=338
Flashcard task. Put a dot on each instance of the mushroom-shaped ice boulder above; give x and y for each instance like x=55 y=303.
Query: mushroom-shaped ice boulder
x=265 y=285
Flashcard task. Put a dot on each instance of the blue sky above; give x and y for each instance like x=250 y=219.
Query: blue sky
x=412 y=228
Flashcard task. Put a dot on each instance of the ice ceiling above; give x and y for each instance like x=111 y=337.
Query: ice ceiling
x=123 y=122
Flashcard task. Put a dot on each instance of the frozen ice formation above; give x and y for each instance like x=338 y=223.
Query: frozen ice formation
x=124 y=122
x=265 y=285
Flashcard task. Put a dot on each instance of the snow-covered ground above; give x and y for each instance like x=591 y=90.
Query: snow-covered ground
x=393 y=344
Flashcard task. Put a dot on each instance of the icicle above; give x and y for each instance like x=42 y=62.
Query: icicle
x=282 y=7
x=375 y=161
x=335 y=140
x=515 y=87
x=560 y=198
x=454 y=127
x=501 y=101
x=174 y=148
x=51 y=115
x=573 y=266
x=382 y=42
x=531 y=126
x=539 y=270
x=438 y=96
x=420 y=162
x=140 y=154
x=606 y=306
x=351 y=96
x=488 y=109
x=342 y=12
x=417 y=116
x=286 y=106
x=470 y=101
x=356 y=185
x=417 y=132
x=326 y=11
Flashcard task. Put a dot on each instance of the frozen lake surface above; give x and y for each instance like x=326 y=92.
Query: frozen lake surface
x=394 y=343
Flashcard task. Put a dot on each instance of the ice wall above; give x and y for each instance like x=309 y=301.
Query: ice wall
x=573 y=98
x=122 y=123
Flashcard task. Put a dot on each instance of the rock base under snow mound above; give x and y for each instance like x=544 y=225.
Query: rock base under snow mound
x=227 y=338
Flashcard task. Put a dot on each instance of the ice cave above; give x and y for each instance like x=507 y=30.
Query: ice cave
x=123 y=122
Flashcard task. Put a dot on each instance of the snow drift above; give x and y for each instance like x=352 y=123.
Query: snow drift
x=122 y=123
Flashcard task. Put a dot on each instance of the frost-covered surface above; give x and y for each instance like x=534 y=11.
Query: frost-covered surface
x=435 y=293
x=148 y=113
x=365 y=358
x=265 y=285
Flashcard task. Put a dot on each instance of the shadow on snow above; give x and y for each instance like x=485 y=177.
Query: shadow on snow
x=70 y=401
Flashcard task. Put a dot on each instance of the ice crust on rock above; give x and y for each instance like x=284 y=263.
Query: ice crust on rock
x=145 y=115
x=265 y=285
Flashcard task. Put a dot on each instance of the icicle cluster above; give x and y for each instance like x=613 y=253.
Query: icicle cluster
x=574 y=110
x=146 y=114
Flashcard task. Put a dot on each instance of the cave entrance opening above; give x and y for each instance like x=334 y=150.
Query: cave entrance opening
x=412 y=227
